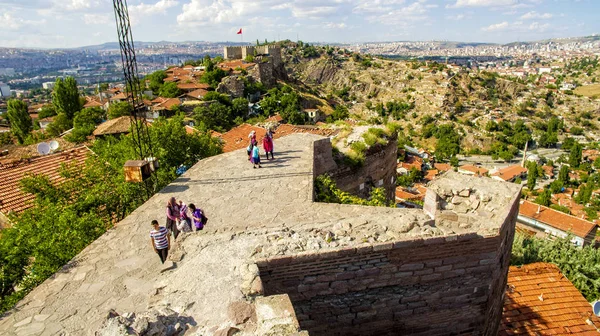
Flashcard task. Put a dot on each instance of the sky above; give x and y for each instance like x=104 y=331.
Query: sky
x=76 y=23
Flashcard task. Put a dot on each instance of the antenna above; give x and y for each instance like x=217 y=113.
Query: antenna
x=54 y=145
x=43 y=148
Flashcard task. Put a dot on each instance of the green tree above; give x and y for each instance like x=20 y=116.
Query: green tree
x=84 y=123
x=156 y=80
x=47 y=111
x=239 y=107
x=215 y=117
x=454 y=161
x=448 y=142
x=563 y=174
x=532 y=175
x=119 y=109
x=340 y=113
x=575 y=155
x=60 y=124
x=169 y=90
x=19 y=118
x=66 y=97
x=544 y=198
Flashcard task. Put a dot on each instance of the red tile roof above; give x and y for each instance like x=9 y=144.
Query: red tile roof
x=167 y=104
x=197 y=94
x=192 y=86
x=474 y=169
x=191 y=130
x=548 y=171
x=442 y=167
x=510 y=172
x=11 y=196
x=556 y=219
x=541 y=301
x=431 y=174
x=406 y=195
x=276 y=118
x=237 y=137
x=114 y=126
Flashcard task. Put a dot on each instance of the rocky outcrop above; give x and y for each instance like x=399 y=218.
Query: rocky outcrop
x=232 y=86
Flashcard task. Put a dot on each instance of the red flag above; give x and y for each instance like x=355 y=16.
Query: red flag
x=239 y=32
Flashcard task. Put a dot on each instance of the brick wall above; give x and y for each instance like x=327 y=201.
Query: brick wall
x=436 y=286
x=379 y=167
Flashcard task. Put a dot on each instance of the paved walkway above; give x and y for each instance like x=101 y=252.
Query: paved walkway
x=251 y=212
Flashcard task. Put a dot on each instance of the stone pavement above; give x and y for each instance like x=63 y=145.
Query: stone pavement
x=249 y=210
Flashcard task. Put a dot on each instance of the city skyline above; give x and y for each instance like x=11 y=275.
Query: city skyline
x=50 y=23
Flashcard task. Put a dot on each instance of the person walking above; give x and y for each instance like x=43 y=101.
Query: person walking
x=173 y=213
x=252 y=137
x=160 y=240
x=268 y=146
x=256 y=157
x=185 y=222
x=198 y=217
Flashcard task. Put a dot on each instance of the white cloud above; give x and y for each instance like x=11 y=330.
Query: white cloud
x=96 y=19
x=331 y=25
x=376 y=6
x=457 y=17
x=159 y=7
x=517 y=26
x=496 y=27
x=14 y=23
x=482 y=3
x=75 y=5
x=535 y=15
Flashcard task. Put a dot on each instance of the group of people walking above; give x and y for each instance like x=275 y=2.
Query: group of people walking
x=185 y=218
x=253 y=150
x=180 y=218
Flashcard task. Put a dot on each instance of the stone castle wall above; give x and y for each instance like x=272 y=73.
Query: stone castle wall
x=378 y=170
x=433 y=286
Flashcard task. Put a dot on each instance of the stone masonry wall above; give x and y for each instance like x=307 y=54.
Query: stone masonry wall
x=435 y=286
x=378 y=170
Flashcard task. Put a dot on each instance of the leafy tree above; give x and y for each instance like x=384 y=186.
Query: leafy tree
x=568 y=143
x=544 y=198
x=563 y=174
x=448 y=143
x=454 y=161
x=156 y=80
x=215 y=117
x=575 y=155
x=213 y=77
x=339 y=113
x=20 y=121
x=119 y=109
x=270 y=105
x=169 y=90
x=60 y=124
x=47 y=111
x=532 y=175
x=66 y=97
x=414 y=175
x=215 y=96
x=84 y=124
x=292 y=115
x=239 y=107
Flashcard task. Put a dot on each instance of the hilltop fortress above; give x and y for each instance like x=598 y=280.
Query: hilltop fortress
x=272 y=261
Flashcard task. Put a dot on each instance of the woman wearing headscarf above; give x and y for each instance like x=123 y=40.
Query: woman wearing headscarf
x=173 y=213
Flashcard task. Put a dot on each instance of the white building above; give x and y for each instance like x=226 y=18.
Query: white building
x=48 y=85
x=4 y=90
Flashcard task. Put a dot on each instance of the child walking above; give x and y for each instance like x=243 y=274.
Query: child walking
x=256 y=157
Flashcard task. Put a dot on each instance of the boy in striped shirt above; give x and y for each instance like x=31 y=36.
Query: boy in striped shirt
x=161 y=240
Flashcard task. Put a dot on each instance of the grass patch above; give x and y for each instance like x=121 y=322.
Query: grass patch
x=588 y=90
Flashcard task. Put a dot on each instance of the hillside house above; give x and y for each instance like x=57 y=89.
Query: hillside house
x=472 y=170
x=540 y=300
x=12 y=199
x=114 y=127
x=548 y=222
x=510 y=173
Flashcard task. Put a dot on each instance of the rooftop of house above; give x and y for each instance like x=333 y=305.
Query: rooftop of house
x=540 y=300
x=474 y=169
x=548 y=171
x=167 y=104
x=17 y=153
x=510 y=172
x=114 y=126
x=443 y=167
x=12 y=198
x=197 y=94
x=192 y=86
x=557 y=219
x=253 y=214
